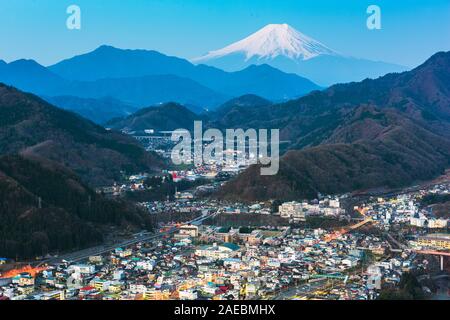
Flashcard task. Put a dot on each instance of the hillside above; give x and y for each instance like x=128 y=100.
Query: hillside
x=46 y=208
x=36 y=129
x=387 y=132
x=30 y=76
x=172 y=116
x=97 y=110
x=422 y=95
x=166 y=117
x=223 y=115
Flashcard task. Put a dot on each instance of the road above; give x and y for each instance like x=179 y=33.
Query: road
x=102 y=249
x=303 y=289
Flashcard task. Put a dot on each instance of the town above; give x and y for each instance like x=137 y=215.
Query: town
x=327 y=248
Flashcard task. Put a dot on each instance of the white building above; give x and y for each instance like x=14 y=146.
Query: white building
x=146 y=265
x=81 y=269
x=437 y=223
x=430 y=223
x=292 y=210
x=189 y=294
x=374 y=282
x=189 y=231
x=215 y=251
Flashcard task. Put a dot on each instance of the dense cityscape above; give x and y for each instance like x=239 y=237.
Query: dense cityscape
x=333 y=247
x=234 y=156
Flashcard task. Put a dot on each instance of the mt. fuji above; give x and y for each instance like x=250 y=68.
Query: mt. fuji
x=272 y=41
x=289 y=50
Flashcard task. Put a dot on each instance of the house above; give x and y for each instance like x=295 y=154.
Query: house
x=226 y=250
x=81 y=269
x=292 y=210
x=23 y=280
x=350 y=262
x=189 y=231
x=189 y=294
x=123 y=253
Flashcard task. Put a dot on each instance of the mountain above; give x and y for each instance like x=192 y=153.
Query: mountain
x=141 y=77
x=401 y=154
x=38 y=130
x=110 y=62
x=272 y=41
x=245 y=101
x=387 y=132
x=172 y=116
x=262 y=80
x=224 y=115
x=100 y=101
x=146 y=90
x=97 y=110
x=289 y=50
x=166 y=117
x=107 y=62
x=46 y=208
x=28 y=75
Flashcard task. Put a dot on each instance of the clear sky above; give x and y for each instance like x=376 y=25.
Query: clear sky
x=411 y=31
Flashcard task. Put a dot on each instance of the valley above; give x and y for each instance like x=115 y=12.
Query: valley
x=94 y=204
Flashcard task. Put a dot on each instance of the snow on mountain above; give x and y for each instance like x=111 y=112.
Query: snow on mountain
x=272 y=41
x=286 y=49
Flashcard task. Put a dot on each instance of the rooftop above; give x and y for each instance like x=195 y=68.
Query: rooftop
x=443 y=236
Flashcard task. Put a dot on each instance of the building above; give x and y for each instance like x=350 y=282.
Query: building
x=81 y=269
x=334 y=203
x=184 y=195
x=226 y=234
x=436 y=240
x=437 y=223
x=430 y=223
x=253 y=238
x=374 y=282
x=227 y=250
x=292 y=210
x=96 y=259
x=189 y=294
x=123 y=253
x=418 y=222
x=23 y=280
x=189 y=231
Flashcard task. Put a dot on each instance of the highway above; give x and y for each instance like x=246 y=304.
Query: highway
x=102 y=249
x=301 y=290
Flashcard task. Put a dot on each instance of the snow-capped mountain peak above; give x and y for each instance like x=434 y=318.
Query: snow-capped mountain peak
x=272 y=41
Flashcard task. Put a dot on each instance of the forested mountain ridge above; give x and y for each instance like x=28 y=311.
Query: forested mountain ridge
x=34 y=128
x=387 y=132
x=46 y=208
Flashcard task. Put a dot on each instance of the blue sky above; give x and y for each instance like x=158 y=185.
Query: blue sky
x=36 y=29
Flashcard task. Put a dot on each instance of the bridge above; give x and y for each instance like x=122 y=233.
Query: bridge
x=441 y=254
x=329 y=276
x=366 y=220
x=360 y=224
x=332 y=236
x=78 y=256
